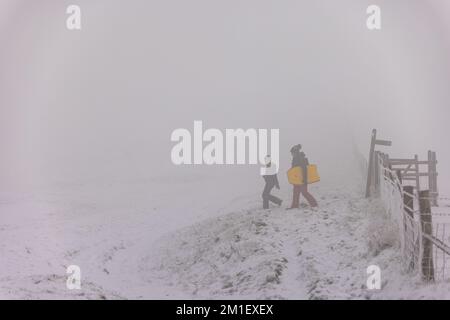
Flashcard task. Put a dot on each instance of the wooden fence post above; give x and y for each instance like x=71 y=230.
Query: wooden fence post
x=370 y=169
x=408 y=205
x=435 y=175
x=398 y=172
x=427 y=229
x=416 y=165
x=432 y=177
x=377 y=167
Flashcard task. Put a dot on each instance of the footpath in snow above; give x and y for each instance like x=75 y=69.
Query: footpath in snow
x=302 y=253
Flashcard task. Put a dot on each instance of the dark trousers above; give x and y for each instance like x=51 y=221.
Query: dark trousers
x=303 y=189
x=267 y=197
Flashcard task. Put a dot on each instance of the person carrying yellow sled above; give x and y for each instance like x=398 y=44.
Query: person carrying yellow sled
x=299 y=160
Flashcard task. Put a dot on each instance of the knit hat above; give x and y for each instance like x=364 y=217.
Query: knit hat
x=296 y=148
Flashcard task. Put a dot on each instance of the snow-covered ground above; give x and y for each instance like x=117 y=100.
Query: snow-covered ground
x=296 y=254
x=130 y=247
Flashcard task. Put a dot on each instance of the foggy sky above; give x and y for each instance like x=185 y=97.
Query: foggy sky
x=101 y=103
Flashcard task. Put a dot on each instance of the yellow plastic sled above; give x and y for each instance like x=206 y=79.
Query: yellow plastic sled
x=295 y=175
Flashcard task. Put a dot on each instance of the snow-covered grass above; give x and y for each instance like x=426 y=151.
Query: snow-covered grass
x=297 y=254
x=107 y=229
x=285 y=254
x=135 y=242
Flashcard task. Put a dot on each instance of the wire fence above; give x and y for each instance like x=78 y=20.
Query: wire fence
x=424 y=232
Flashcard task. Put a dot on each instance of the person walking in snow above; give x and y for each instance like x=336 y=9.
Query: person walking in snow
x=269 y=173
x=299 y=159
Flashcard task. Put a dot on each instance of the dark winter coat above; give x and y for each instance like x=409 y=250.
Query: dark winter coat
x=300 y=160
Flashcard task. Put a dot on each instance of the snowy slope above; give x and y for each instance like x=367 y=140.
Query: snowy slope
x=129 y=247
x=105 y=228
x=286 y=254
x=296 y=254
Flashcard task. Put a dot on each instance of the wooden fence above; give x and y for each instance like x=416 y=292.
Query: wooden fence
x=406 y=169
x=413 y=204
